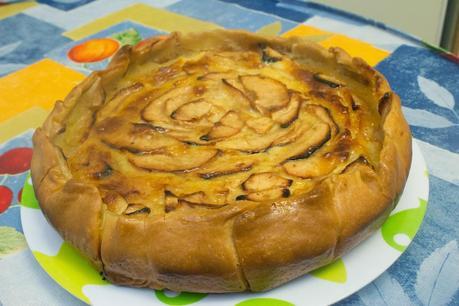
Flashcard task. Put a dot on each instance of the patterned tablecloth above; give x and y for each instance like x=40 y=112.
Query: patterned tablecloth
x=47 y=47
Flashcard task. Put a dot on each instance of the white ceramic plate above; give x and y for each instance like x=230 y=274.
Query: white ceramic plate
x=321 y=287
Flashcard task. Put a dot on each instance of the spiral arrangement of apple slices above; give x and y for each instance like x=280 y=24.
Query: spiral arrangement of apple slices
x=214 y=129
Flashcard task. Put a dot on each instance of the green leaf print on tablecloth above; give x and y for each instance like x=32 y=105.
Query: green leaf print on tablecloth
x=334 y=272
x=10 y=240
x=28 y=198
x=71 y=270
x=403 y=224
x=129 y=37
x=264 y=302
x=183 y=298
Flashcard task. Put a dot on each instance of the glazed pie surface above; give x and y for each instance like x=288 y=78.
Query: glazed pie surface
x=221 y=161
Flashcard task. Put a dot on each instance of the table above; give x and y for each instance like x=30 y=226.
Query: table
x=47 y=47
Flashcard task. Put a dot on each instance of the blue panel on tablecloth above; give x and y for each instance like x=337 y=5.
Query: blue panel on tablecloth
x=352 y=300
x=431 y=248
x=432 y=243
x=228 y=15
x=11 y=217
x=24 y=40
x=65 y=5
x=403 y=68
x=272 y=7
x=315 y=9
x=60 y=54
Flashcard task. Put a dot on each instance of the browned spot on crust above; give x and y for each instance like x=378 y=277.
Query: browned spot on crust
x=106 y=172
x=384 y=104
x=199 y=66
x=166 y=73
x=331 y=98
x=354 y=105
x=325 y=115
x=269 y=55
x=171 y=202
x=199 y=90
x=221 y=170
x=361 y=160
x=327 y=80
x=115 y=202
x=137 y=209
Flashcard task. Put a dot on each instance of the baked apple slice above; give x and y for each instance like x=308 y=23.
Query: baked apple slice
x=188 y=158
x=267 y=94
x=266 y=195
x=311 y=167
x=323 y=114
x=260 y=125
x=225 y=167
x=247 y=141
x=201 y=198
x=288 y=114
x=229 y=125
x=264 y=181
x=192 y=111
x=140 y=137
x=308 y=142
x=266 y=186
x=160 y=109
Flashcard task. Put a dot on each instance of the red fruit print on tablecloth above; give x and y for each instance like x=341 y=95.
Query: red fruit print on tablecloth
x=6 y=197
x=15 y=161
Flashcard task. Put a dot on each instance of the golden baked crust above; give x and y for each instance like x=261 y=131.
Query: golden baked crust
x=221 y=161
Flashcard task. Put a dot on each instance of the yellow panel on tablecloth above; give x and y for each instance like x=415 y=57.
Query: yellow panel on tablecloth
x=22 y=122
x=8 y=10
x=310 y=33
x=356 y=48
x=304 y=30
x=149 y=16
x=39 y=84
x=271 y=29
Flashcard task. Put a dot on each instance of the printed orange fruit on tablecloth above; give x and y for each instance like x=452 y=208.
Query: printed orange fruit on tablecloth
x=93 y=50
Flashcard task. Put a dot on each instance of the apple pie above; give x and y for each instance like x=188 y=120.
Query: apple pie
x=221 y=161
